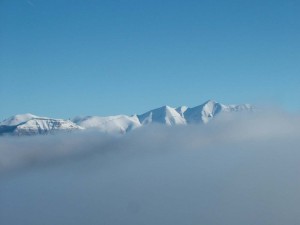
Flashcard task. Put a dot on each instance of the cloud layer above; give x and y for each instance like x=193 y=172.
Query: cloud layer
x=241 y=170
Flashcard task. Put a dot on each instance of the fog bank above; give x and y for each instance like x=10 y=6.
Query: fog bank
x=241 y=170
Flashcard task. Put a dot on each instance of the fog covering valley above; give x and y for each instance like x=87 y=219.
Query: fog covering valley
x=238 y=169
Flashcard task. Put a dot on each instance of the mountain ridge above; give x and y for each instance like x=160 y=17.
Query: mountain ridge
x=29 y=124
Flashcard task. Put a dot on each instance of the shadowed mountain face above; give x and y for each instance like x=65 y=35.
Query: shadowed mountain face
x=28 y=124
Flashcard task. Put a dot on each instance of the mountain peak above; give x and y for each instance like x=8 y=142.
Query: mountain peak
x=210 y=101
x=109 y=124
x=209 y=109
x=28 y=124
x=164 y=115
x=164 y=107
x=18 y=119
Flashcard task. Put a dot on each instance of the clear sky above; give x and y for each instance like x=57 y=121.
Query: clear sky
x=64 y=58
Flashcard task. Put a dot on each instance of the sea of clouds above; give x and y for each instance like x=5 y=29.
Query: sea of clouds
x=240 y=169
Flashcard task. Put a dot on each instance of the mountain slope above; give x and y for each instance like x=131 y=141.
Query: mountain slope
x=109 y=124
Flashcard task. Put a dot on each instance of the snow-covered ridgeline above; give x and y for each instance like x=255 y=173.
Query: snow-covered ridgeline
x=28 y=124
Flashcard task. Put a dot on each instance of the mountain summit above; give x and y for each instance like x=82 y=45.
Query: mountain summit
x=165 y=115
x=29 y=124
x=208 y=110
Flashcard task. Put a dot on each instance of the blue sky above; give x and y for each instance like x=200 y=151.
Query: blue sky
x=65 y=58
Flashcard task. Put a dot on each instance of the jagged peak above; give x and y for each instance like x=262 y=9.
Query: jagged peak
x=164 y=107
x=210 y=101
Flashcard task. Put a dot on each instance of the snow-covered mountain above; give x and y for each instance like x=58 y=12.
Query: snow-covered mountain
x=208 y=110
x=28 y=124
x=109 y=124
x=165 y=115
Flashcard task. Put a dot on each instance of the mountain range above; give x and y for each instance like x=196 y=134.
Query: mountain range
x=29 y=124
